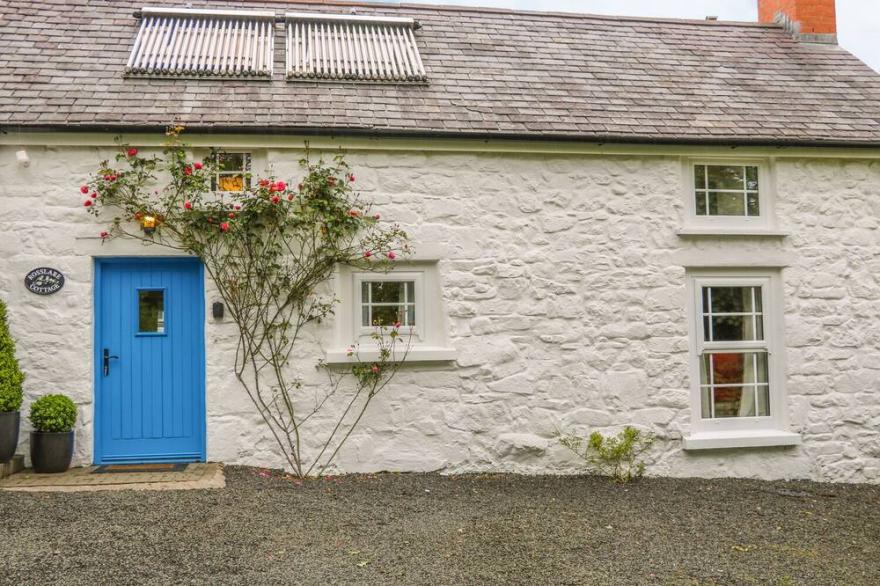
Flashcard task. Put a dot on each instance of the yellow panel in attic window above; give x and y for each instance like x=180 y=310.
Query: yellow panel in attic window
x=231 y=183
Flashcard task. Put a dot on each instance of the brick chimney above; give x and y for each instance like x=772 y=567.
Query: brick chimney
x=812 y=21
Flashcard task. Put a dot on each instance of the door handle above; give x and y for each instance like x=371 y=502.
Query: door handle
x=107 y=358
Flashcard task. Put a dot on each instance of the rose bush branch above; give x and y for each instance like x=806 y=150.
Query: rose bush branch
x=268 y=250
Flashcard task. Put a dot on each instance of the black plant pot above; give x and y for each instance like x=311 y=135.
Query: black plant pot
x=9 y=424
x=51 y=452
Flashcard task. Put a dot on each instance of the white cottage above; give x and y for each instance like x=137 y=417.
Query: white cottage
x=666 y=223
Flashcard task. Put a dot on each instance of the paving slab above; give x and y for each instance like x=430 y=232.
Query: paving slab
x=96 y=478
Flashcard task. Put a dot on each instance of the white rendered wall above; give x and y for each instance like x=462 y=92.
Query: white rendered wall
x=563 y=283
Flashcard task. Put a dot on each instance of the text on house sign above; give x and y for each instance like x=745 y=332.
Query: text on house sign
x=44 y=281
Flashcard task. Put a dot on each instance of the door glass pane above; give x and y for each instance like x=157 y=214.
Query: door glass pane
x=151 y=312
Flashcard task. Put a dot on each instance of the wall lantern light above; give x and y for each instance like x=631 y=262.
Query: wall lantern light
x=148 y=223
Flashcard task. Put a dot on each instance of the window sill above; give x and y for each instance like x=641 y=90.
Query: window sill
x=416 y=354
x=723 y=232
x=716 y=440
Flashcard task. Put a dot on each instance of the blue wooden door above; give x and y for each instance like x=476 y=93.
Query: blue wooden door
x=149 y=357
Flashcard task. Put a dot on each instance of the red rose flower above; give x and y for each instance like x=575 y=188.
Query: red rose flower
x=351 y=178
x=290 y=197
x=138 y=216
x=275 y=199
x=391 y=255
x=224 y=227
x=376 y=216
x=280 y=186
x=132 y=152
x=113 y=178
x=84 y=189
x=375 y=369
x=105 y=234
x=187 y=170
x=264 y=182
x=87 y=203
x=367 y=254
x=396 y=325
x=354 y=213
x=187 y=205
x=94 y=195
x=197 y=165
x=237 y=206
x=231 y=215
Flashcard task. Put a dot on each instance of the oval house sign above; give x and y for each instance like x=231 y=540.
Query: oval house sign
x=44 y=281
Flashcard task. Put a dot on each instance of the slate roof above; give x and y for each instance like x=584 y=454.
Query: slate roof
x=492 y=73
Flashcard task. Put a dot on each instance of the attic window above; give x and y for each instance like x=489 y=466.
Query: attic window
x=357 y=48
x=198 y=43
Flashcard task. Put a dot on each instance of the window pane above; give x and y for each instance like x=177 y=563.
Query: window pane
x=231 y=162
x=754 y=207
x=365 y=292
x=385 y=315
x=410 y=291
x=728 y=369
x=732 y=328
x=700 y=176
x=365 y=316
x=230 y=183
x=726 y=204
x=151 y=312
x=734 y=401
x=387 y=292
x=701 y=203
x=411 y=315
x=706 y=402
x=731 y=299
x=764 y=401
x=734 y=368
x=752 y=178
x=725 y=177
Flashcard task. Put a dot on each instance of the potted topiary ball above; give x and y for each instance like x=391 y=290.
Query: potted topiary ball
x=10 y=391
x=53 y=418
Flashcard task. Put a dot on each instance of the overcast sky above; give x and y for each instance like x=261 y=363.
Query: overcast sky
x=858 y=21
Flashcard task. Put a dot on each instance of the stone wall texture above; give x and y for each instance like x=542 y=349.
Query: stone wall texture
x=564 y=294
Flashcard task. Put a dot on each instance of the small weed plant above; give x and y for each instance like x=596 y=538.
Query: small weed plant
x=615 y=456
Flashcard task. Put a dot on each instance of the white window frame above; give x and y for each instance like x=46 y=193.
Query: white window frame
x=249 y=166
x=418 y=279
x=772 y=308
x=765 y=221
x=429 y=342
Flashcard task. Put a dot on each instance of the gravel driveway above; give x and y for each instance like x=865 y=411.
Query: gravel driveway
x=430 y=529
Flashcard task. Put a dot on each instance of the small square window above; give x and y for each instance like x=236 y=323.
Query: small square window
x=386 y=302
x=726 y=190
x=151 y=311
x=233 y=172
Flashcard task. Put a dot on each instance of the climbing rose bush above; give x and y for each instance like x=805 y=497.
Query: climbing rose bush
x=268 y=249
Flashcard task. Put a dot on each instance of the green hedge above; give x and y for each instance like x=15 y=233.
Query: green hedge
x=11 y=376
x=53 y=413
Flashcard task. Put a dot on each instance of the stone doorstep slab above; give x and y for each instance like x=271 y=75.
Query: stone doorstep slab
x=16 y=464
x=196 y=476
